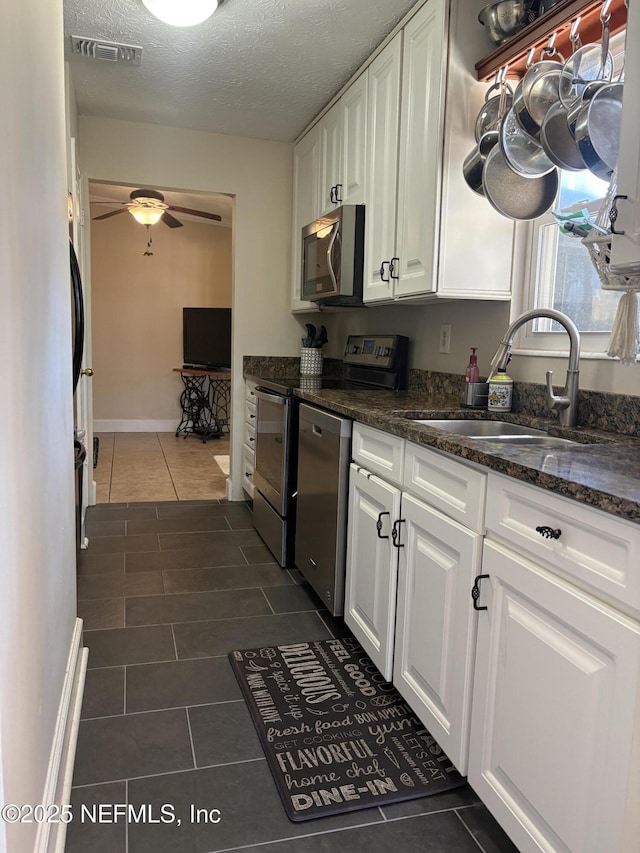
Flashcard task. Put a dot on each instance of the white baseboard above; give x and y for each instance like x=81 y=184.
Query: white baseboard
x=57 y=789
x=136 y=425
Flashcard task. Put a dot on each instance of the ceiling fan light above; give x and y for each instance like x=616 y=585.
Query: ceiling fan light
x=145 y=215
x=182 y=13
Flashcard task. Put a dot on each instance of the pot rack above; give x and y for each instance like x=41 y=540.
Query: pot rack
x=536 y=34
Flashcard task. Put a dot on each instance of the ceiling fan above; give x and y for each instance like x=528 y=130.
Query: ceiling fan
x=149 y=207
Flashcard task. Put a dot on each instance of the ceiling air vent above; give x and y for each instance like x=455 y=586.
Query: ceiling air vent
x=111 y=51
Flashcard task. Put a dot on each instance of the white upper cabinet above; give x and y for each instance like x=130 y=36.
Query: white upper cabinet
x=427 y=234
x=331 y=137
x=423 y=77
x=396 y=142
x=343 y=149
x=352 y=185
x=625 y=249
x=382 y=184
x=306 y=190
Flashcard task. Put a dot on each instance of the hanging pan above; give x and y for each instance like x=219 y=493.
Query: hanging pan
x=514 y=196
x=556 y=138
x=540 y=84
x=597 y=130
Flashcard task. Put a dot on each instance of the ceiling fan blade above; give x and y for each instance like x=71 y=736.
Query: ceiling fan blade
x=170 y=220
x=213 y=216
x=111 y=213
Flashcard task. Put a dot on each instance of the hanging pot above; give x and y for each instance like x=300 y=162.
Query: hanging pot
x=522 y=115
x=490 y=115
x=514 y=196
x=597 y=130
x=591 y=62
x=522 y=152
x=473 y=166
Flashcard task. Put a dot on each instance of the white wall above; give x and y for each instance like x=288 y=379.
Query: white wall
x=136 y=315
x=37 y=565
x=258 y=174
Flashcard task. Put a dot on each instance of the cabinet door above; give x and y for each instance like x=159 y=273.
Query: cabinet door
x=554 y=701
x=435 y=624
x=421 y=123
x=626 y=248
x=351 y=189
x=306 y=177
x=372 y=566
x=382 y=180
x=331 y=135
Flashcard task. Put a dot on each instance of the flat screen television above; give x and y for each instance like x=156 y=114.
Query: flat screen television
x=206 y=337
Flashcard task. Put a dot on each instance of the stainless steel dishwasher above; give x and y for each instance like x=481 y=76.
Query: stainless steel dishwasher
x=324 y=450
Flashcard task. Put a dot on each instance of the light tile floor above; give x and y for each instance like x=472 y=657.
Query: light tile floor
x=157 y=466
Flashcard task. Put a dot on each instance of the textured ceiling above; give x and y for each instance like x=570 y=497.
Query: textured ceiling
x=259 y=68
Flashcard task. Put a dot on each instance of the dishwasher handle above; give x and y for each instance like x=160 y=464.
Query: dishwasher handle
x=316 y=430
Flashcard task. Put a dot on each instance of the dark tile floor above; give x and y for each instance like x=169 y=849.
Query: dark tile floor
x=166 y=592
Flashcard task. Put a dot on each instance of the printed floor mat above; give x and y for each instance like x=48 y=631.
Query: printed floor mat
x=336 y=735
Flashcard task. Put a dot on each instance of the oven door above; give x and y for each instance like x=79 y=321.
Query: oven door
x=273 y=426
x=321 y=256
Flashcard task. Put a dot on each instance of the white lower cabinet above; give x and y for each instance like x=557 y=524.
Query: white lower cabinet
x=531 y=687
x=555 y=710
x=372 y=565
x=410 y=570
x=435 y=624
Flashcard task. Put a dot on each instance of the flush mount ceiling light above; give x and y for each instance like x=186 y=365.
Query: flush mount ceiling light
x=182 y=13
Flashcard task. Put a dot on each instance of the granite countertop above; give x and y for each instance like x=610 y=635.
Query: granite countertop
x=602 y=471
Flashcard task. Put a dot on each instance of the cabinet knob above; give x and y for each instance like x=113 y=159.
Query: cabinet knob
x=338 y=198
x=86 y=371
x=392 y=268
x=332 y=195
x=475 y=592
x=382 y=270
x=549 y=532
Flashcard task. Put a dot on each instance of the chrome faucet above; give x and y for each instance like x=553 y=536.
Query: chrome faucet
x=566 y=404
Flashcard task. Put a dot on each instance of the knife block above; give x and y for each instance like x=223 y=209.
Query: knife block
x=311 y=361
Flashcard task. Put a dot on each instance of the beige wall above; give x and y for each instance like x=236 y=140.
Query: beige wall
x=258 y=174
x=136 y=313
x=37 y=565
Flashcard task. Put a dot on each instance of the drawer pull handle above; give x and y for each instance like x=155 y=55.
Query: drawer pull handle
x=379 y=525
x=475 y=591
x=395 y=533
x=549 y=532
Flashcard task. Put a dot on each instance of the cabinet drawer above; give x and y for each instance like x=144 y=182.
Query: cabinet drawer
x=380 y=452
x=452 y=487
x=247 y=469
x=250 y=411
x=595 y=549
x=250 y=435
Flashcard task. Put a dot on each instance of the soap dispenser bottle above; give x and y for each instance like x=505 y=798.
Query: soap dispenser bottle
x=472 y=373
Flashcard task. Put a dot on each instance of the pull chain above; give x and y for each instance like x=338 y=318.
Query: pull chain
x=148 y=253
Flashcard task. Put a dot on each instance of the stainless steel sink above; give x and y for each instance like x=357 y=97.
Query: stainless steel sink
x=502 y=431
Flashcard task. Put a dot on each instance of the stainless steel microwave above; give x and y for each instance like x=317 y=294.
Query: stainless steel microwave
x=333 y=257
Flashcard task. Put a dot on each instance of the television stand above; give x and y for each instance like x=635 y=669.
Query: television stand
x=204 y=402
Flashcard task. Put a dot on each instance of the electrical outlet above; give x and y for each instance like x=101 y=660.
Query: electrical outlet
x=445 y=339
